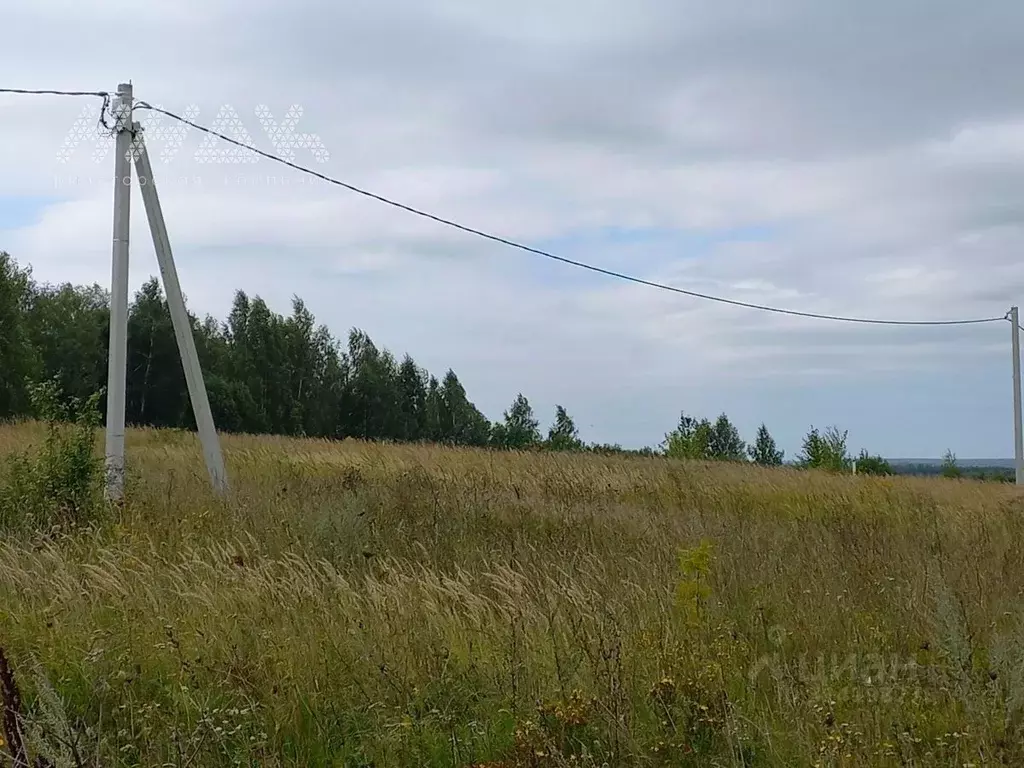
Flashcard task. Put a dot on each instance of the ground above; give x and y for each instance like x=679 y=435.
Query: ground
x=354 y=604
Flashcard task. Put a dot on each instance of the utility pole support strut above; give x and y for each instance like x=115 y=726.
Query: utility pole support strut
x=179 y=317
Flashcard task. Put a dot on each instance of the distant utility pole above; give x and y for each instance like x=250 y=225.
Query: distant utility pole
x=1018 y=436
x=131 y=145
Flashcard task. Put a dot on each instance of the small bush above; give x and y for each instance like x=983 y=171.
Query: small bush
x=58 y=485
x=872 y=465
x=825 y=451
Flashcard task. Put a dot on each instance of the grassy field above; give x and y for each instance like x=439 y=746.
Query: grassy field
x=358 y=605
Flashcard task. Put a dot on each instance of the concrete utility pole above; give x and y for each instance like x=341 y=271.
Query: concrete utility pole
x=179 y=317
x=1018 y=436
x=117 y=357
x=129 y=145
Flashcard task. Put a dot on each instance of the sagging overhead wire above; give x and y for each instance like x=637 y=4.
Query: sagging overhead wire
x=563 y=259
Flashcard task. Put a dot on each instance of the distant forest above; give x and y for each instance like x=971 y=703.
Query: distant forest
x=950 y=468
x=264 y=372
x=270 y=373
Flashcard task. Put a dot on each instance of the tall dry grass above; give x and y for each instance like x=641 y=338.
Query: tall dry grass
x=358 y=605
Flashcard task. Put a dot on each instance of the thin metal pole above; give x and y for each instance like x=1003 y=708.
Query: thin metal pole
x=1018 y=435
x=117 y=355
x=179 y=317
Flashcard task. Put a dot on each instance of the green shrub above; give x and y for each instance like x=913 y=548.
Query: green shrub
x=872 y=465
x=825 y=451
x=56 y=486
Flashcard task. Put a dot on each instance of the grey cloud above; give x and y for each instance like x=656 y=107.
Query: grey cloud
x=810 y=80
x=875 y=142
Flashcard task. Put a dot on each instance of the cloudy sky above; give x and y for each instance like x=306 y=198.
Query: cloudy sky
x=858 y=158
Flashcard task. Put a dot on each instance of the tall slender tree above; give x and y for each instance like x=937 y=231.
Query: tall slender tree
x=691 y=439
x=764 y=451
x=412 y=387
x=520 y=429
x=725 y=443
x=155 y=391
x=563 y=435
x=825 y=451
x=18 y=360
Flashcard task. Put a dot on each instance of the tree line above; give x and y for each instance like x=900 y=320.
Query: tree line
x=270 y=373
x=264 y=372
x=720 y=441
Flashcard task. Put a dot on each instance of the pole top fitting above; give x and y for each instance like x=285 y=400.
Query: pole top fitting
x=122 y=108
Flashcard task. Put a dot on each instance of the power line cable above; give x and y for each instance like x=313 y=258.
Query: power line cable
x=105 y=95
x=562 y=259
x=47 y=92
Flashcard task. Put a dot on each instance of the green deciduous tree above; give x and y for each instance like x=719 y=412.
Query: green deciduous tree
x=412 y=386
x=18 y=359
x=691 y=439
x=155 y=387
x=725 y=443
x=69 y=327
x=461 y=421
x=520 y=429
x=825 y=451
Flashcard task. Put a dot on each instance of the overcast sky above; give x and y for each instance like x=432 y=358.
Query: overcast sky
x=861 y=158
